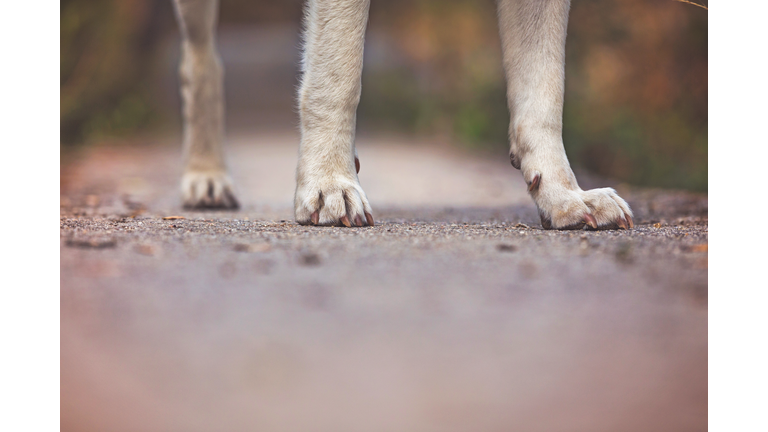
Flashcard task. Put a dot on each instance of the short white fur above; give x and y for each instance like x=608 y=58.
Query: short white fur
x=328 y=190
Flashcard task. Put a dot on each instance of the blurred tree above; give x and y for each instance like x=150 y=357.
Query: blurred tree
x=636 y=83
x=636 y=91
x=449 y=78
x=105 y=48
x=107 y=53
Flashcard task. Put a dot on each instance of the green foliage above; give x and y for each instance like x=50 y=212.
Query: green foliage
x=636 y=85
x=105 y=52
x=658 y=151
x=394 y=100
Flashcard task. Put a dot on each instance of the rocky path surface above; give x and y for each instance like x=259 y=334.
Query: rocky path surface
x=456 y=312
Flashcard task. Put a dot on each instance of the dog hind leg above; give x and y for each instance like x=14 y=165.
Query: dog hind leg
x=533 y=42
x=205 y=182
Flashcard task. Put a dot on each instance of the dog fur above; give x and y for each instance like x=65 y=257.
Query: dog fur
x=328 y=190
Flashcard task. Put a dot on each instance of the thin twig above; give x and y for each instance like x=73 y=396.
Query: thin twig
x=692 y=3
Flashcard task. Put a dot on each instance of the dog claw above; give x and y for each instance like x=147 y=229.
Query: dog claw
x=315 y=217
x=534 y=184
x=358 y=221
x=514 y=161
x=590 y=220
x=595 y=209
x=369 y=218
x=357 y=165
x=622 y=223
x=345 y=220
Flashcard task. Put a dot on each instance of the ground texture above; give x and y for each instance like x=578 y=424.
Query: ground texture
x=456 y=312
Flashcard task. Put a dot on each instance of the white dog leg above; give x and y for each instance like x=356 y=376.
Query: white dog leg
x=205 y=182
x=328 y=191
x=533 y=41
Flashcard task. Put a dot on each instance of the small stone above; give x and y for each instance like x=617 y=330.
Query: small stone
x=92 y=243
x=146 y=249
x=309 y=259
x=505 y=247
x=252 y=247
x=92 y=200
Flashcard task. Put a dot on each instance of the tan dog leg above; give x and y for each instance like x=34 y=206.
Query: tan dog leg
x=533 y=41
x=205 y=182
x=328 y=191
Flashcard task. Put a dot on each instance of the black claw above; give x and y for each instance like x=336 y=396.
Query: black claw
x=546 y=222
x=514 y=160
x=231 y=200
x=576 y=226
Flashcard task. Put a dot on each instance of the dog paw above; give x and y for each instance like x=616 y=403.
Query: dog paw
x=208 y=190
x=561 y=207
x=332 y=199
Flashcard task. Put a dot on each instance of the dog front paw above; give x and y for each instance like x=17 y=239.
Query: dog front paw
x=331 y=197
x=208 y=190
x=562 y=206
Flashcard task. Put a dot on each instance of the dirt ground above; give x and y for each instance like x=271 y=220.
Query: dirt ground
x=456 y=312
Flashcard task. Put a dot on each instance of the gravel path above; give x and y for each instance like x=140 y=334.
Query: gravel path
x=455 y=312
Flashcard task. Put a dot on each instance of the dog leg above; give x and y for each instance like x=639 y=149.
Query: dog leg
x=533 y=41
x=205 y=182
x=328 y=191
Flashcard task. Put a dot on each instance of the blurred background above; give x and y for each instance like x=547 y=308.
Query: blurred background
x=636 y=78
x=456 y=312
